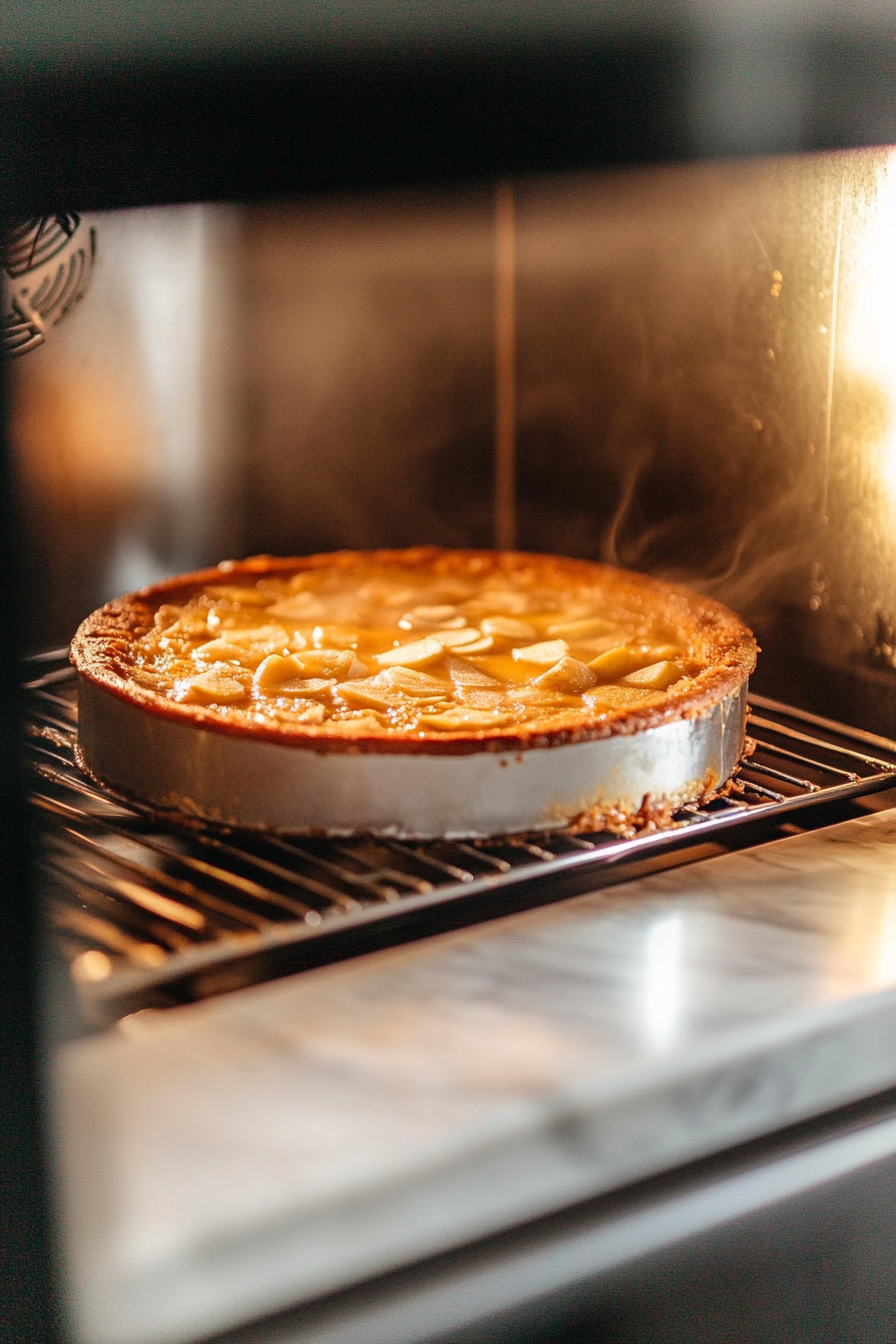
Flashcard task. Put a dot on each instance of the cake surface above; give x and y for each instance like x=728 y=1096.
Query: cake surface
x=422 y=650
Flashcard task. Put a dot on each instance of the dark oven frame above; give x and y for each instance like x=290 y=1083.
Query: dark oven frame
x=103 y=108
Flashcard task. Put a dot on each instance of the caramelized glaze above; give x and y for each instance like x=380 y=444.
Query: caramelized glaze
x=419 y=649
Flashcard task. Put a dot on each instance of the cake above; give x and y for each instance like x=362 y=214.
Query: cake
x=345 y=692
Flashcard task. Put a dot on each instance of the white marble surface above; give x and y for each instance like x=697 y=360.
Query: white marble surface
x=222 y=1160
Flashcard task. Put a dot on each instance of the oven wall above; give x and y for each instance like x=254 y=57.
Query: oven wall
x=706 y=361
x=369 y=373
x=126 y=423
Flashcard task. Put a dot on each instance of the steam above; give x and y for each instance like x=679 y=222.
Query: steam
x=745 y=569
x=610 y=549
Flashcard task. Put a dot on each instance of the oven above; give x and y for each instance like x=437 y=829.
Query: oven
x=398 y=284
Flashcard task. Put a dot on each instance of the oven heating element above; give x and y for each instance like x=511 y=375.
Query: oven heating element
x=150 y=914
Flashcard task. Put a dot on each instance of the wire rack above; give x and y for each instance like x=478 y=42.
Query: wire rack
x=148 y=913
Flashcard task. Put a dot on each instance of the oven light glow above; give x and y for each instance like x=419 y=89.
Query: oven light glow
x=866 y=341
x=91 y=966
x=662 y=981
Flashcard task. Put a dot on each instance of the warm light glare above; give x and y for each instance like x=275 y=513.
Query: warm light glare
x=867 y=337
x=91 y=966
x=662 y=981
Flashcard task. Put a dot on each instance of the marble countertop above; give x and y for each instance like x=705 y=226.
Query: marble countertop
x=223 y=1160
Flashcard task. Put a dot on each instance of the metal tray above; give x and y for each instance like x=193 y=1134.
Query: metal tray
x=150 y=913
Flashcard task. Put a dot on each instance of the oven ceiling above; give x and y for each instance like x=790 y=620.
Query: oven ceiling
x=116 y=104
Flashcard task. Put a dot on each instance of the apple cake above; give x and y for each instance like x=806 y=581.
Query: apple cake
x=414 y=692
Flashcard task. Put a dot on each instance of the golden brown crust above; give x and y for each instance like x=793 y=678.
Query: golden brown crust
x=718 y=638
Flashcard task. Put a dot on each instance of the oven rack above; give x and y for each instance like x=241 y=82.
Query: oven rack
x=149 y=913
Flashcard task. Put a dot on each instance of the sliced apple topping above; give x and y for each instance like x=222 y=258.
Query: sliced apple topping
x=656 y=677
x=223 y=651
x=213 y=687
x=459 y=639
x=369 y=693
x=504 y=627
x=463 y=673
x=619 y=662
x=482 y=645
x=444 y=617
x=417 y=684
x=302 y=607
x=568 y=675
x=418 y=654
x=599 y=644
x=306 y=686
x=175 y=623
x=546 y=653
x=277 y=669
x=414 y=651
x=393 y=687
x=338 y=663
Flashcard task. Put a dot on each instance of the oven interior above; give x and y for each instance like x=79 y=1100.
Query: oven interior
x=704 y=360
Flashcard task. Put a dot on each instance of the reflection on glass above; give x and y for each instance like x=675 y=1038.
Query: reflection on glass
x=662 y=981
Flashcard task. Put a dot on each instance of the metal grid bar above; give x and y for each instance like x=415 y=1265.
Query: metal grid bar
x=149 y=912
